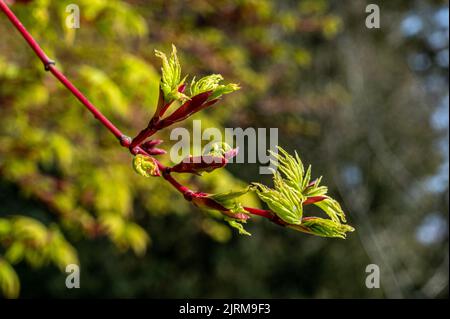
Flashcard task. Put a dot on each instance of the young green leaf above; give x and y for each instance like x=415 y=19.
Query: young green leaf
x=293 y=189
x=211 y=83
x=224 y=89
x=285 y=201
x=323 y=227
x=228 y=200
x=219 y=149
x=238 y=225
x=145 y=166
x=9 y=281
x=171 y=81
x=332 y=208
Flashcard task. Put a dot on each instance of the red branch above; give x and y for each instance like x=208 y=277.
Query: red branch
x=125 y=141
x=49 y=65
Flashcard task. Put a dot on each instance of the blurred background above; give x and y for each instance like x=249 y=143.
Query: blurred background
x=368 y=108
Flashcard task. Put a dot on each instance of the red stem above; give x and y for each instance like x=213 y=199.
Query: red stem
x=97 y=114
x=266 y=214
x=259 y=212
x=181 y=188
x=19 y=26
x=125 y=141
x=142 y=136
x=49 y=66
x=314 y=199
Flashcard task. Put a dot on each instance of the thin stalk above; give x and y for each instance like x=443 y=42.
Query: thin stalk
x=266 y=214
x=142 y=136
x=50 y=66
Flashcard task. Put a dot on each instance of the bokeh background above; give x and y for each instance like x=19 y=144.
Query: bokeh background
x=368 y=108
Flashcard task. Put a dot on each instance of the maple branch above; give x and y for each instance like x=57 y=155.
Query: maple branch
x=134 y=145
x=125 y=141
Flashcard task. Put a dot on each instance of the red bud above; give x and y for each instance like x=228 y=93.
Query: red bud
x=182 y=88
x=198 y=164
x=150 y=147
x=152 y=143
x=187 y=109
x=206 y=163
x=156 y=151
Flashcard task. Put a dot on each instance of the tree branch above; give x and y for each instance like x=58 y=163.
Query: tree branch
x=125 y=141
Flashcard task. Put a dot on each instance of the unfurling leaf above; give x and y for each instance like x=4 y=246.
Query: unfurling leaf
x=145 y=166
x=323 y=227
x=293 y=189
x=125 y=234
x=238 y=225
x=228 y=200
x=171 y=83
x=332 y=208
x=224 y=89
x=285 y=201
x=211 y=83
x=223 y=150
x=218 y=157
x=225 y=203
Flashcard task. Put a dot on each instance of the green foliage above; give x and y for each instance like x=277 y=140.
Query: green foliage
x=211 y=83
x=219 y=149
x=237 y=224
x=171 y=81
x=29 y=240
x=171 y=76
x=292 y=188
x=26 y=239
x=228 y=200
x=125 y=234
x=104 y=91
x=52 y=150
x=323 y=227
x=236 y=214
x=114 y=17
x=8 y=70
x=106 y=193
x=287 y=198
x=9 y=281
x=145 y=166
